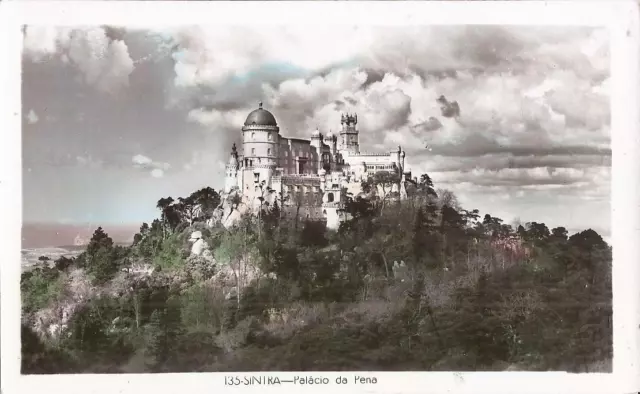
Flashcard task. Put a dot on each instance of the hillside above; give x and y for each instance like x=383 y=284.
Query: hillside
x=419 y=284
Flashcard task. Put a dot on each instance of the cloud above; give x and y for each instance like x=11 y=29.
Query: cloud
x=144 y=162
x=523 y=89
x=103 y=61
x=157 y=173
x=32 y=117
x=141 y=160
x=448 y=109
x=89 y=161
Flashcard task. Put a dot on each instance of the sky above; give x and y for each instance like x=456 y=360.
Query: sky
x=115 y=118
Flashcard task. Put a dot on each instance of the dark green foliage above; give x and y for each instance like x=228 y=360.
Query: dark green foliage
x=62 y=263
x=101 y=258
x=164 y=331
x=38 y=358
x=39 y=287
x=412 y=285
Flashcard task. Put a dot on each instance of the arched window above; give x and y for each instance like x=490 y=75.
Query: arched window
x=324 y=211
x=330 y=197
x=269 y=151
x=253 y=151
x=253 y=136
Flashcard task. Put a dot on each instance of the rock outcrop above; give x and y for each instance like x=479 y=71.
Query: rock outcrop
x=230 y=210
x=200 y=264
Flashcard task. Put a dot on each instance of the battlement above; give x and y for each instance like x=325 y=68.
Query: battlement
x=255 y=166
x=260 y=127
x=364 y=154
x=292 y=180
x=349 y=120
x=298 y=176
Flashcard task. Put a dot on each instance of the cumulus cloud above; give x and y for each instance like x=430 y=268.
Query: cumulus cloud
x=141 y=160
x=481 y=107
x=32 y=117
x=103 y=61
x=448 y=109
x=157 y=169
x=157 y=173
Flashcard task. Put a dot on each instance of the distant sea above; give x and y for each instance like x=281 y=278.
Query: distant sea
x=30 y=255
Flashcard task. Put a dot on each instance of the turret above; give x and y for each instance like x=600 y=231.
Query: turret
x=348 y=141
x=231 y=174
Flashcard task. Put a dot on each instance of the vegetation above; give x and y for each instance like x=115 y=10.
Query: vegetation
x=413 y=284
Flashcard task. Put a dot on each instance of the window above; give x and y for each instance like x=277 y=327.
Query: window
x=330 y=197
x=256 y=177
x=253 y=151
x=324 y=212
x=253 y=136
x=269 y=151
x=269 y=136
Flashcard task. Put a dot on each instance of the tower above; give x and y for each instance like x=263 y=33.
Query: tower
x=231 y=173
x=316 y=142
x=348 y=141
x=260 y=141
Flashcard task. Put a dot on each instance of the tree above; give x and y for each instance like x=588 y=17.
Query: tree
x=62 y=263
x=425 y=186
x=381 y=184
x=265 y=192
x=560 y=234
x=188 y=207
x=537 y=233
x=100 y=256
x=207 y=200
x=299 y=200
x=162 y=205
x=447 y=197
x=165 y=330
x=236 y=252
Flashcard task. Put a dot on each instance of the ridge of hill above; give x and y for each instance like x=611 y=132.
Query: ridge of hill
x=278 y=292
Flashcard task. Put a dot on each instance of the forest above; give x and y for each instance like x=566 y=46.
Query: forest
x=415 y=284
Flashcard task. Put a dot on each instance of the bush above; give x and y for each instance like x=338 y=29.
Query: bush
x=40 y=288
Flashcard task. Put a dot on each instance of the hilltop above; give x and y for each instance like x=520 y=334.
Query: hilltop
x=417 y=284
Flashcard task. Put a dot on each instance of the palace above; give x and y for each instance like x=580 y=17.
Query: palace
x=310 y=178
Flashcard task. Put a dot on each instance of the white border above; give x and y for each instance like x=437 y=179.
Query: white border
x=620 y=16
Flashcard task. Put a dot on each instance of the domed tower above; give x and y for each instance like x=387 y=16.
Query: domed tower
x=260 y=140
x=231 y=174
x=348 y=141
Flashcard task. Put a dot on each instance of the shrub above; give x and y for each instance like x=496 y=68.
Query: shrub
x=40 y=288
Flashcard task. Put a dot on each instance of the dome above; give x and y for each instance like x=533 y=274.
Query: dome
x=260 y=117
x=315 y=133
x=329 y=136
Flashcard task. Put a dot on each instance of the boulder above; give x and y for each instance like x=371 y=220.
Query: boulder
x=230 y=210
